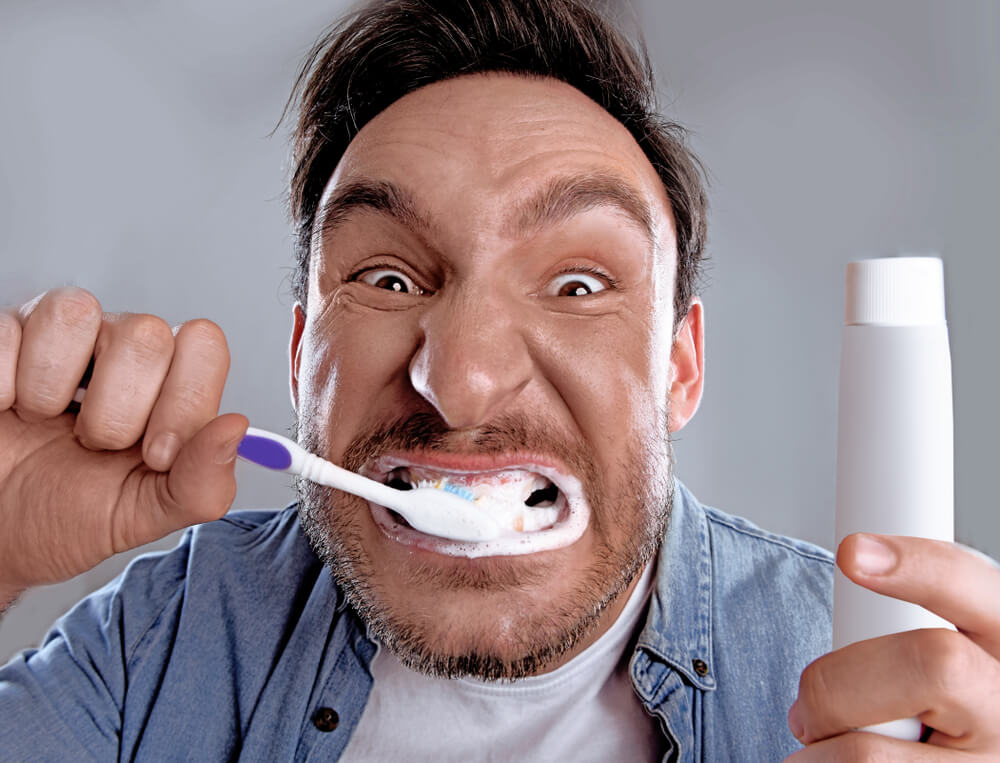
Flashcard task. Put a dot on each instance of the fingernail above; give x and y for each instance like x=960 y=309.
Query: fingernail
x=794 y=722
x=228 y=451
x=872 y=556
x=162 y=451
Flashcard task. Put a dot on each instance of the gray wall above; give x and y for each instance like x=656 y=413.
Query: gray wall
x=134 y=161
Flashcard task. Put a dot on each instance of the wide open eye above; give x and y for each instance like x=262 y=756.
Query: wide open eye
x=390 y=280
x=575 y=284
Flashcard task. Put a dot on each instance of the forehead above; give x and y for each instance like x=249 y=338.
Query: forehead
x=486 y=140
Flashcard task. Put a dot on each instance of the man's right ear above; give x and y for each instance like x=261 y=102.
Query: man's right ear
x=295 y=351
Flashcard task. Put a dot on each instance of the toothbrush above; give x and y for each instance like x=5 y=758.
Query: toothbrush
x=444 y=512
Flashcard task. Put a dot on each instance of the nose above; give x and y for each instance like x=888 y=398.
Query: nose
x=472 y=361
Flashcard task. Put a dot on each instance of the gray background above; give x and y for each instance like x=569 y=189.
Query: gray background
x=135 y=161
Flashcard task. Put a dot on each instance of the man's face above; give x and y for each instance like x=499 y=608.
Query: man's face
x=490 y=289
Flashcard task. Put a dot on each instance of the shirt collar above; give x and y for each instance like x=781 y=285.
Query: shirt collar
x=678 y=628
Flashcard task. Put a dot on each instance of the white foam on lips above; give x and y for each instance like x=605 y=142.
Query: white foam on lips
x=568 y=517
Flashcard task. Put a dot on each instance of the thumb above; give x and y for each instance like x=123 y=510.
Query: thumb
x=201 y=484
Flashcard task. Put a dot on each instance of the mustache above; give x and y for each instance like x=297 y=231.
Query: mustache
x=509 y=433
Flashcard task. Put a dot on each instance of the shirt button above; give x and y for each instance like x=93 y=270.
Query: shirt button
x=325 y=719
x=700 y=667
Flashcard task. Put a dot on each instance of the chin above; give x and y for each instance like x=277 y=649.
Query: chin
x=467 y=609
x=494 y=631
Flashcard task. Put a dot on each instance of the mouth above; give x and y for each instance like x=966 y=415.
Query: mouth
x=539 y=507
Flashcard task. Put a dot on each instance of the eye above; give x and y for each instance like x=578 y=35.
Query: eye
x=390 y=280
x=575 y=284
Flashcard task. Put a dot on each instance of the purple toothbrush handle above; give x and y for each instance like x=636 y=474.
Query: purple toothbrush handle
x=265 y=452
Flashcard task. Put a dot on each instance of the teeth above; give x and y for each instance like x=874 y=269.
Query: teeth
x=523 y=498
x=538 y=483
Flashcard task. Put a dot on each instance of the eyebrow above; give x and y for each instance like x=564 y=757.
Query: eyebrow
x=376 y=195
x=557 y=201
x=566 y=196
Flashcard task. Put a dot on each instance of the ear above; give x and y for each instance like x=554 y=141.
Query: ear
x=295 y=351
x=687 y=366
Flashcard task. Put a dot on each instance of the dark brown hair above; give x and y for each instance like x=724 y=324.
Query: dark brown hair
x=390 y=48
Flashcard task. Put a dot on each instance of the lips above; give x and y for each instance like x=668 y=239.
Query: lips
x=539 y=506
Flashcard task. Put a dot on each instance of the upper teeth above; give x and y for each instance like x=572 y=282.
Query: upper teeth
x=511 y=485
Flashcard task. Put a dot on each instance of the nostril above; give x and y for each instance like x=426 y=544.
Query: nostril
x=470 y=365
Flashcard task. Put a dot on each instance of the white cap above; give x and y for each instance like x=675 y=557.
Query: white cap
x=895 y=291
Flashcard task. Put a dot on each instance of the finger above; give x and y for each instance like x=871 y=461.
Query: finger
x=191 y=393
x=10 y=343
x=935 y=674
x=131 y=358
x=960 y=585
x=200 y=487
x=58 y=331
x=861 y=745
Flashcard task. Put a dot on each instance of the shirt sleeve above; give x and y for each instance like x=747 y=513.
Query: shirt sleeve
x=65 y=700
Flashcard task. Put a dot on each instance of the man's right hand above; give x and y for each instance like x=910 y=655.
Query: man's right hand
x=147 y=453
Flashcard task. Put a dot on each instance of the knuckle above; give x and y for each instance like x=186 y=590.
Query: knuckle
x=10 y=331
x=206 y=334
x=812 y=683
x=10 y=340
x=41 y=399
x=148 y=336
x=109 y=434
x=813 y=692
x=72 y=307
x=944 y=659
x=193 y=400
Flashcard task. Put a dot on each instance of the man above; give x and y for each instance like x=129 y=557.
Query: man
x=498 y=244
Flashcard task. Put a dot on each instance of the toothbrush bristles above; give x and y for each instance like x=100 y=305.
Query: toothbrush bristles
x=458 y=490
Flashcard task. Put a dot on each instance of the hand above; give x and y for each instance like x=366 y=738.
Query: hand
x=949 y=680
x=145 y=456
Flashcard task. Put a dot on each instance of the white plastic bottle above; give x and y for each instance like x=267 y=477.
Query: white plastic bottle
x=894 y=435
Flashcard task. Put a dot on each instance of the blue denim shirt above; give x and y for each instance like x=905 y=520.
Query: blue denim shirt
x=227 y=646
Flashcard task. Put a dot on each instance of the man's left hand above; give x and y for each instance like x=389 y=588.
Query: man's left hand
x=949 y=680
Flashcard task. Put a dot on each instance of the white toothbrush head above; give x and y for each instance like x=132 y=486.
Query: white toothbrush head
x=446 y=511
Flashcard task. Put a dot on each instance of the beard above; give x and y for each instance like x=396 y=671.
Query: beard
x=628 y=521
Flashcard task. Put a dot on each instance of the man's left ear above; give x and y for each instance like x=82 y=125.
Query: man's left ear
x=295 y=352
x=687 y=366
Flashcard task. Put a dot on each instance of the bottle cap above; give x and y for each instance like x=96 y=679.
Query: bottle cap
x=895 y=291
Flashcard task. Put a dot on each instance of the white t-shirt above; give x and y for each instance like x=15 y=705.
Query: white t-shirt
x=583 y=710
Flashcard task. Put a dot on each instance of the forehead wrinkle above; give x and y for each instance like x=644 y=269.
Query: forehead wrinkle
x=565 y=196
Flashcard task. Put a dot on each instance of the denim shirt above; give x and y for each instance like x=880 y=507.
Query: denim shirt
x=237 y=644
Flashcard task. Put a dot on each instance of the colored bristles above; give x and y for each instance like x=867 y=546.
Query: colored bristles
x=461 y=492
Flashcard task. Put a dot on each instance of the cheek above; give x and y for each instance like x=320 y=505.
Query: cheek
x=355 y=365
x=613 y=378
